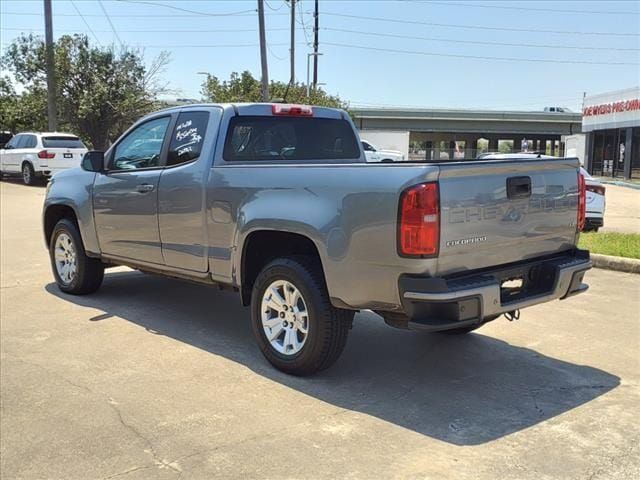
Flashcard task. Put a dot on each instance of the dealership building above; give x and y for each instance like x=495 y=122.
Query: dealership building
x=448 y=134
x=611 y=123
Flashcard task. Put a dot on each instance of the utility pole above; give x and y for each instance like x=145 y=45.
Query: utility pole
x=51 y=69
x=315 y=47
x=263 y=52
x=292 y=50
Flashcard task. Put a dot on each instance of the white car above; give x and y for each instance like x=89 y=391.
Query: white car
x=36 y=155
x=374 y=154
x=596 y=202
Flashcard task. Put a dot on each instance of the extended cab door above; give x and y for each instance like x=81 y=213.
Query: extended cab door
x=181 y=194
x=125 y=198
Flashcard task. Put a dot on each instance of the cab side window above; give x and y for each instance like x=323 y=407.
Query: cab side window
x=187 y=137
x=142 y=147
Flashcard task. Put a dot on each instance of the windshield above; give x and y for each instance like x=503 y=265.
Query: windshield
x=62 y=142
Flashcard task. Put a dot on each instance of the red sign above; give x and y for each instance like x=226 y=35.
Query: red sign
x=614 y=107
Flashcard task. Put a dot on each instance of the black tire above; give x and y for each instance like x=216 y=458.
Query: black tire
x=28 y=174
x=89 y=271
x=328 y=327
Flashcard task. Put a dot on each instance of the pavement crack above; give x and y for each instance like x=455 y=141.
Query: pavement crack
x=128 y=471
x=158 y=461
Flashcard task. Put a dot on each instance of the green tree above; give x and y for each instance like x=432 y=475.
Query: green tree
x=100 y=91
x=27 y=111
x=244 y=87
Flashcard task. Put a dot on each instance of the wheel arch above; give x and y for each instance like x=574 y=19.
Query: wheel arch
x=53 y=214
x=262 y=246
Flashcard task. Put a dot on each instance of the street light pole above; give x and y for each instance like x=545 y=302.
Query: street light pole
x=309 y=55
x=263 y=53
x=52 y=114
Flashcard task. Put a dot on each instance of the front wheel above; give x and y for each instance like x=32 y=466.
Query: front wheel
x=74 y=271
x=295 y=325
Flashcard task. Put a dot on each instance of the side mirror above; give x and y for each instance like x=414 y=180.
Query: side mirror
x=8 y=147
x=93 y=161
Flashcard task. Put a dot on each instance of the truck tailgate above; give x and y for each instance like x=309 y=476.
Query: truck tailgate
x=502 y=211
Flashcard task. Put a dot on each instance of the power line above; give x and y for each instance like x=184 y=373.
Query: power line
x=137 y=15
x=304 y=27
x=528 y=9
x=475 y=42
x=86 y=23
x=191 y=30
x=477 y=57
x=111 y=23
x=478 y=27
x=172 y=7
x=273 y=54
x=235 y=45
x=274 y=9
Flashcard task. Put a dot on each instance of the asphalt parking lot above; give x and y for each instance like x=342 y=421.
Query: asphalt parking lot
x=154 y=378
x=622 y=213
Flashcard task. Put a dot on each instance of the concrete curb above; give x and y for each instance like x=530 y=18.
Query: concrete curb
x=620 y=264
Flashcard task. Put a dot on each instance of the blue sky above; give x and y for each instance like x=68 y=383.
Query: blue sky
x=382 y=73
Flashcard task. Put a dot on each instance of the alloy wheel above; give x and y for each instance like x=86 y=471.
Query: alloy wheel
x=285 y=318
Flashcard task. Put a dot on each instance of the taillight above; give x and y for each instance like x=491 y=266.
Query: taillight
x=291 y=110
x=45 y=154
x=419 y=223
x=582 y=202
x=599 y=189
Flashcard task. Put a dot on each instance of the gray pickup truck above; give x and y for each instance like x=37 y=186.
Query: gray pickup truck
x=277 y=202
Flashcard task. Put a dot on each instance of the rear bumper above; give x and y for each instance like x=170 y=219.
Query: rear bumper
x=443 y=303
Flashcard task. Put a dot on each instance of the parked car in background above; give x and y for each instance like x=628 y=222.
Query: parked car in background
x=557 y=110
x=375 y=154
x=596 y=203
x=278 y=203
x=38 y=155
x=4 y=138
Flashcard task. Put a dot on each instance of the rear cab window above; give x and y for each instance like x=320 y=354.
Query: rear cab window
x=66 y=141
x=264 y=138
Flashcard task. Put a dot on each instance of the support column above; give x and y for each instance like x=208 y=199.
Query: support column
x=469 y=147
x=493 y=144
x=628 y=148
x=588 y=153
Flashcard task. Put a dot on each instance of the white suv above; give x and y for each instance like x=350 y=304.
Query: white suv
x=39 y=155
x=374 y=154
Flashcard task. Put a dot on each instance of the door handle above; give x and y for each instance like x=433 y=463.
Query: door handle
x=145 y=188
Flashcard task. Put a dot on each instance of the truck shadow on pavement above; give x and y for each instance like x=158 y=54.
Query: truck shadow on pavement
x=463 y=390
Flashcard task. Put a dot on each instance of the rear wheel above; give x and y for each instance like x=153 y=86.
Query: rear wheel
x=75 y=273
x=28 y=174
x=295 y=325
